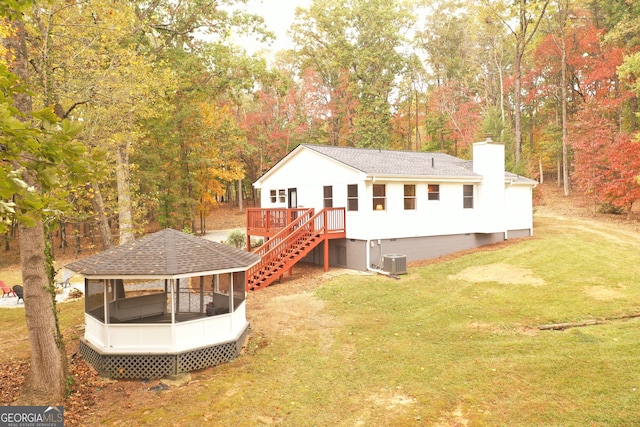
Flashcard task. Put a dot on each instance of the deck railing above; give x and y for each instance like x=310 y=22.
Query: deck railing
x=270 y=221
x=334 y=220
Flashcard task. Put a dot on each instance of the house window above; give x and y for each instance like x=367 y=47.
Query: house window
x=278 y=196
x=467 y=196
x=328 y=196
x=409 y=197
x=352 y=197
x=434 y=192
x=379 y=197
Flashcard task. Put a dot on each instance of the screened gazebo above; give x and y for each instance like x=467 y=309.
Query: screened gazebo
x=164 y=304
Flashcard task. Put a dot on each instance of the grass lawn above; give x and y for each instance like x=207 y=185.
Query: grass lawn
x=452 y=343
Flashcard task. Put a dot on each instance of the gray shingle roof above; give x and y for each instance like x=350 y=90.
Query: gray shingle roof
x=519 y=179
x=165 y=253
x=388 y=162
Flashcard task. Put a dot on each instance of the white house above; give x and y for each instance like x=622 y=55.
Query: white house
x=416 y=204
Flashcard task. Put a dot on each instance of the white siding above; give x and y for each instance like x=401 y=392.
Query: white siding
x=494 y=212
x=308 y=173
x=430 y=218
x=488 y=161
x=518 y=202
x=147 y=338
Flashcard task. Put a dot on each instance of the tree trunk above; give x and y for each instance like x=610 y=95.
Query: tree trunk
x=63 y=236
x=523 y=37
x=124 y=194
x=418 y=139
x=101 y=217
x=565 y=148
x=203 y=222
x=564 y=11
x=559 y=174
x=240 y=206
x=517 y=105
x=409 y=121
x=541 y=171
x=501 y=77
x=45 y=382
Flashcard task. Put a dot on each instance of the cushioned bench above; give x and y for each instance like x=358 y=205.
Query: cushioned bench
x=138 y=307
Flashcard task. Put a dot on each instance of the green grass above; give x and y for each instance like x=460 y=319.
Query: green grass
x=433 y=349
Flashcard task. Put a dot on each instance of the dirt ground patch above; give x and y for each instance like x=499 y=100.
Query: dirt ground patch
x=500 y=273
x=601 y=293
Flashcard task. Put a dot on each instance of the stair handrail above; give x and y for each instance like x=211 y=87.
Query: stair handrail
x=284 y=232
x=273 y=252
x=296 y=232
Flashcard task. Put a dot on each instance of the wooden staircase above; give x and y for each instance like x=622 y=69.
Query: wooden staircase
x=293 y=242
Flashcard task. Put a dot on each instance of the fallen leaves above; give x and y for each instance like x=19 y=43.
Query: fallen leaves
x=83 y=386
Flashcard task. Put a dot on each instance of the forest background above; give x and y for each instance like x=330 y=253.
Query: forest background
x=182 y=117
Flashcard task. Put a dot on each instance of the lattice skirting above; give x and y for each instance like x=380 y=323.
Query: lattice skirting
x=138 y=366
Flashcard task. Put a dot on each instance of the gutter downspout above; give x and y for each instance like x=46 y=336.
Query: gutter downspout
x=368 y=253
x=375 y=270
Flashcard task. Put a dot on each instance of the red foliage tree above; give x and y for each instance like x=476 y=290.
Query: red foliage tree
x=622 y=186
x=592 y=134
x=461 y=112
x=606 y=160
x=592 y=64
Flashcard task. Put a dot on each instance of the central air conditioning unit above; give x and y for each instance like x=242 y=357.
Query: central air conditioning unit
x=394 y=264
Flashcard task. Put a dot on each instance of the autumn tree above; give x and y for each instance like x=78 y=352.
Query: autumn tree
x=493 y=63
x=449 y=43
x=285 y=111
x=622 y=186
x=455 y=119
x=522 y=19
x=39 y=154
x=592 y=134
x=558 y=29
x=92 y=65
x=409 y=108
x=323 y=46
x=356 y=47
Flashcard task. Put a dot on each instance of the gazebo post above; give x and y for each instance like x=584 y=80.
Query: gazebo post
x=202 y=308
x=231 y=292
x=105 y=291
x=173 y=300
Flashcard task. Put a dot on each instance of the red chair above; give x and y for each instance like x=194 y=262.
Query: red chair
x=6 y=290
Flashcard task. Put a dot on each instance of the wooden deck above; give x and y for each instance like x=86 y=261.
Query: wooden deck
x=290 y=235
x=269 y=222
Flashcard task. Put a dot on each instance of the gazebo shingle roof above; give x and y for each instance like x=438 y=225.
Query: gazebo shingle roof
x=165 y=253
